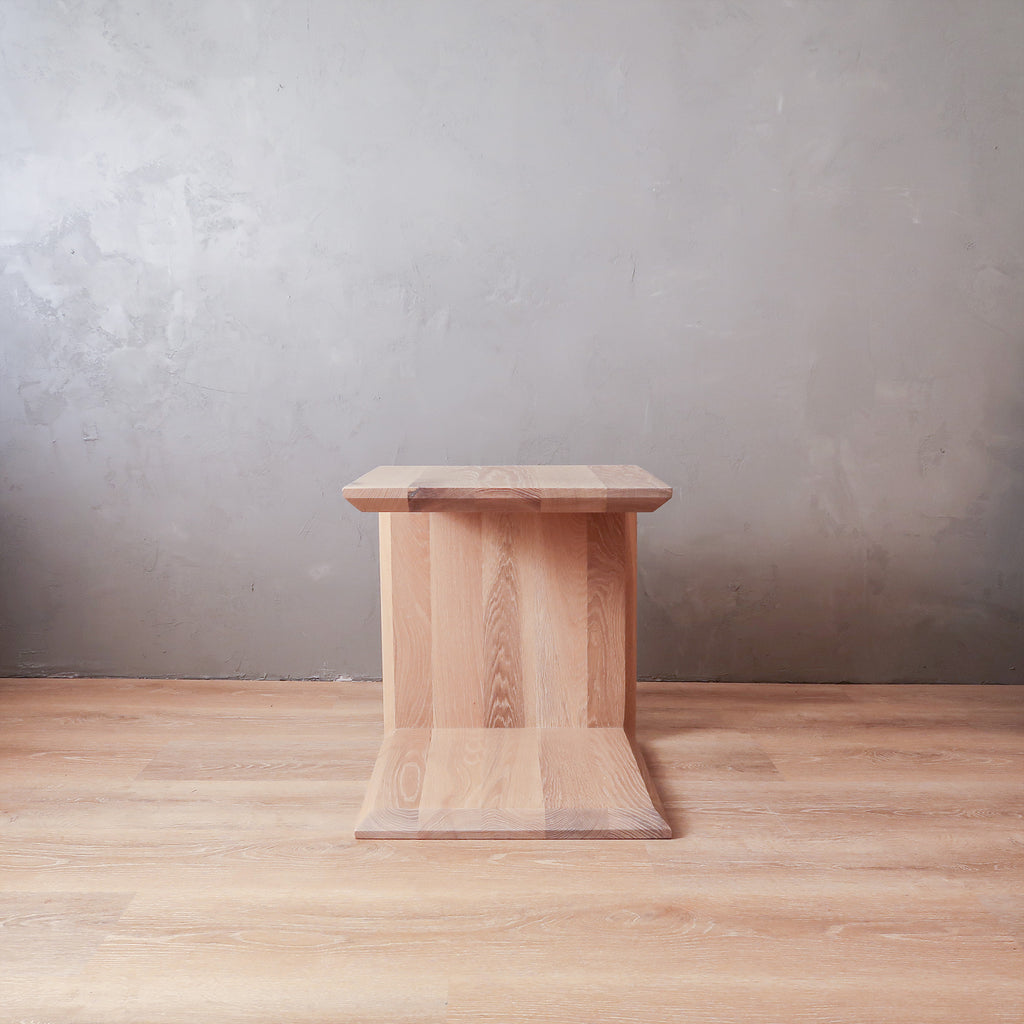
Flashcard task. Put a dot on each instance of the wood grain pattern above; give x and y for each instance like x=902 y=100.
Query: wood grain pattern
x=482 y=783
x=533 y=612
x=883 y=888
x=513 y=783
x=405 y=620
x=610 y=573
x=510 y=620
x=55 y=933
x=594 y=784
x=393 y=796
x=554 y=630
x=507 y=620
x=388 y=642
x=459 y=686
x=508 y=488
x=502 y=625
x=384 y=489
x=629 y=638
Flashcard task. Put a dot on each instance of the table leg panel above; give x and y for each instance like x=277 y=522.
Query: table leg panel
x=406 y=620
x=502 y=542
x=608 y=573
x=460 y=693
x=554 y=628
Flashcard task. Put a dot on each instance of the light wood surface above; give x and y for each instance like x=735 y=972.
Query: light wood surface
x=501 y=620
x=174 y=851
x=508 y=488
x=501 y=783
x=533 y=611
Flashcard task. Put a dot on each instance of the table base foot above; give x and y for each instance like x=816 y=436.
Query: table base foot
x=569 y=783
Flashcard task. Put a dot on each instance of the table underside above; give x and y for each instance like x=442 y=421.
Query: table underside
x=517 y=783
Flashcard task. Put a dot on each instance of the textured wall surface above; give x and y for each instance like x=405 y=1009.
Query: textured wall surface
x=771 y=251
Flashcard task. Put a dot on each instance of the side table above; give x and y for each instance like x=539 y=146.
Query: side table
x=508 y=618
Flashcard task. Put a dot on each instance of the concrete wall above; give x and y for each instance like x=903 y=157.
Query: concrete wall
x=771 y=251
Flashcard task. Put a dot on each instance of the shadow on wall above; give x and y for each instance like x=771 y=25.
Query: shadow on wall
x=863 y=620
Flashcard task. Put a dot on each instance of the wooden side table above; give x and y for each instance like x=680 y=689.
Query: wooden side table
x=508 y=614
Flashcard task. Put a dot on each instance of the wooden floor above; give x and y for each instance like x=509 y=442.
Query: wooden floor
x=183 y=851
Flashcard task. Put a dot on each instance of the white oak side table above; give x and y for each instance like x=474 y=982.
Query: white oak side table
x=508 y=615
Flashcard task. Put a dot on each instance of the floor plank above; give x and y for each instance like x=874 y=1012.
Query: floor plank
x=175 y=850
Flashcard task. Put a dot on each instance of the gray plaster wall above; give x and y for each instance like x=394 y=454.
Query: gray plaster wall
x=771 y=251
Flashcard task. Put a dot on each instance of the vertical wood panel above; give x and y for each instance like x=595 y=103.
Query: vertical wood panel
x=531 y=598
x=606 y=618
x=557 y=618
x=503 y=662
x=456 y=589
x=629 y=689
x=387 y=618
x=410 y=620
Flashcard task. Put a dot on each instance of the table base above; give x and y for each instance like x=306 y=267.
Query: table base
x=514 y=783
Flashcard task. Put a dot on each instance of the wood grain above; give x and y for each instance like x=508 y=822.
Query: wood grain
x=629 y=584
x=502 y=622
x=630 y=489
x=593 y=784
x=508 y=602
x=534 y=613
x=555 y=620
x=508 y=488
x=460 y=689
x=393 y=796
x=610 y=592
x=886 y=888
x=508 y=620
x=511 y=783
x=54 y=933
x=482 y=783
x=406 y=619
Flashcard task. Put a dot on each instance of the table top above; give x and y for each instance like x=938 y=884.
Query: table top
x=512 y=488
